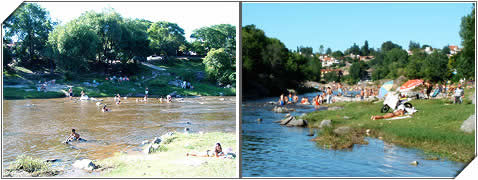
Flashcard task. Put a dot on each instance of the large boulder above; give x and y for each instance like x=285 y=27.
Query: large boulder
x=297 y=122
x=325 y=123
x=469 y=124
x=342 y=130
x=85 y=164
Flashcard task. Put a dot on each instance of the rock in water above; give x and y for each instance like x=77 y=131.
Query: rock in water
x=325 y=123
x=297 y=122
x=342 y=130
x=259 y=120
x=144 y=142
x=287 y=115
x=157 y=140
x=85 y=164
x=469 y=124
x=415 y=163
x=278 y=109
x=286 y=120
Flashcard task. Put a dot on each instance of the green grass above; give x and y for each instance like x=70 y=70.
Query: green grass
x=435 y=128
x=18 y=93
x=172 y=160
x=35 y=167
x=185 y=68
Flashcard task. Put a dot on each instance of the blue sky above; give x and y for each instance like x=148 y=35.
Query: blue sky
x=339 y=25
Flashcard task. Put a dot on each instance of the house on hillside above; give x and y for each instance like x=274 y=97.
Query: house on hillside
x=428 y=50
x=327 y=60
x=454 y=49
x=365 y=58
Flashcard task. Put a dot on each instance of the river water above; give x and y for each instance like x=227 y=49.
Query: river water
x=272 y=150
x=37 y=127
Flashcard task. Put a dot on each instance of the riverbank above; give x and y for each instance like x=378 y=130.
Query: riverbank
x=435 y=128
x=172 y=160
x=22 y=83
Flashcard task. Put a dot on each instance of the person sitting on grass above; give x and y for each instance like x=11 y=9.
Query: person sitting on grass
x=399 y=112
x=217 y=152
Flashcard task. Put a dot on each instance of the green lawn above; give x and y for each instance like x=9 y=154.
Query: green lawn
x=173 y=162
x=435 y=128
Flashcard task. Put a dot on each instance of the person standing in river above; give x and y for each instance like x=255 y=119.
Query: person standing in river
x=146 y=91
x=329 y=95
x=70 y=93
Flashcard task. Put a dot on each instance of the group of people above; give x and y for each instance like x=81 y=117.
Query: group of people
x=186 y=85
x=453 y=91
x=118 y=79
x=325 y=97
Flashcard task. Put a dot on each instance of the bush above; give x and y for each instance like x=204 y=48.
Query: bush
x=28 y=164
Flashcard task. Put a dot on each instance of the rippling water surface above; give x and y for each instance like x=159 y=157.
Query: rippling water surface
x=271 y=150
x=37 y=127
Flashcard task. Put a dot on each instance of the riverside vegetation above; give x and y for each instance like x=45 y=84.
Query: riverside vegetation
x=171 y=160
x=435 y=128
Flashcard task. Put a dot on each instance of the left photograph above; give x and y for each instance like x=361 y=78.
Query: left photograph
x=120 y=89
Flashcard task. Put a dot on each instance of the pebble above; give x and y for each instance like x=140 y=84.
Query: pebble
x=415 y=163
x=259 y=120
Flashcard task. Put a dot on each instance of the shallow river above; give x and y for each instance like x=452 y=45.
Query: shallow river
x=271 y=150
x=37 y=127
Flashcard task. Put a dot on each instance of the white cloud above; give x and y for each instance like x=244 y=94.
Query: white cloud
x=188 y=15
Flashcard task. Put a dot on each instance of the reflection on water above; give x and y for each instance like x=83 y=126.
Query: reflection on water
x=37 y=127
x=271 y=150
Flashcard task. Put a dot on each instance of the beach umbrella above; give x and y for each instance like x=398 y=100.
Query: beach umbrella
x=410 y=84
x=385 y=88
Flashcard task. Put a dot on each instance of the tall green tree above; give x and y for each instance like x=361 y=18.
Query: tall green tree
x=329 y=51
x=435 y=66
x=365 y=51
x=218 y=66
x=72 y=46
x=165 y=37
x=466 y=63
x=217 y=36
x=413 y=46
x=30 y=25
x=389 y=45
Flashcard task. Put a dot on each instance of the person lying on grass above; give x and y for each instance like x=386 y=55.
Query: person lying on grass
x=217 y=152
x=399 y=112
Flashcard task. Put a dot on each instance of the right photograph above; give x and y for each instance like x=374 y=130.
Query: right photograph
x=357 y=89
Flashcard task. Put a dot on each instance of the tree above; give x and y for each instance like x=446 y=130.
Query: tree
x=314 y=69
x=365 y=49
x=72 y=45
x=445 y=50
x=321 y=49
x=331 y=76
x=216 y=36
x=306 y=51
x=435 y=67
x=413 y=46
x=354 y=50
x=30 y=25
x=7 y=56
x=337 y=54
x=219 y=67
x=329 y=51
x=414 y=69
x=358 y=71
x=134 y=40
x=466 y=63
x=165 y=37
x=389 y=45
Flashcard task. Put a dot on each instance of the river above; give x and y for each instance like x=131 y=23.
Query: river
x=36 y=127
x=272 y=150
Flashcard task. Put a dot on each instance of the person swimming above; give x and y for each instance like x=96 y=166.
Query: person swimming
x=104 y=109
x=73 y=136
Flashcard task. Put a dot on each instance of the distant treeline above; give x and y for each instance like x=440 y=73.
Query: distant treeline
x=96 y=41
x=269 y=68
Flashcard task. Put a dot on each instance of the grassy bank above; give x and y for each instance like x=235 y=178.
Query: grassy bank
x=29 y=166
x=173 y=162
x=185 y=69
x=18 y=93
x=435 y=128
